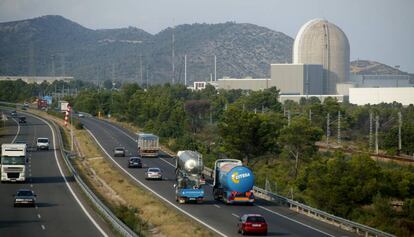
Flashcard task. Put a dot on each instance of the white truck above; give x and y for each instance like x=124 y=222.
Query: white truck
x=13 y=162
x=148 y=145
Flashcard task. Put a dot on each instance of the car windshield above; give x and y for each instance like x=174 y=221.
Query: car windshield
x=24 y=193
x=255 y=219
x=134 y=160
x=119 y=149
x=154 y=170
x=43 y=140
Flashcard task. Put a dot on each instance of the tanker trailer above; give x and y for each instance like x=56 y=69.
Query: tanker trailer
x=189 y=168
x=233 y=182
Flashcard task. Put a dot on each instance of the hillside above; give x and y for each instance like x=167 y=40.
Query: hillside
x=54 y=45
x=364 y=67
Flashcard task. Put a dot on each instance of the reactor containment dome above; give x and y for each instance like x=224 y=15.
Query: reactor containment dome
x=321 y=42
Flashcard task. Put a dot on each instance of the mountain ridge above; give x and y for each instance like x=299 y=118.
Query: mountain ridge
x=53 y=45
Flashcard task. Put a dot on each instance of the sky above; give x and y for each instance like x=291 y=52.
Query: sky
x=378 y=30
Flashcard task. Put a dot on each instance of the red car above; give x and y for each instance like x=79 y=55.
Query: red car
x=252 y=224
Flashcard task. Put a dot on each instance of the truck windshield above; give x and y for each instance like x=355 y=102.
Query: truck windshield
x=13 y=160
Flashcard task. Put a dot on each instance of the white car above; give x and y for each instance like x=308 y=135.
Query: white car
x=42 y=143
x=153 y=173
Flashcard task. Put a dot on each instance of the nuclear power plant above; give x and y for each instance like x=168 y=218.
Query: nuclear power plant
x=321 y=42
x=321 y=68
x=320 y=62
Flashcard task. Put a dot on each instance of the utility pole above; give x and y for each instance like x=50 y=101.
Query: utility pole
x=339 y=127
x=185 y=69
x=370 y=131
x=53 y=65
x=289 y=117
x=328 y=131
x=399 y=131
x=63 y=64
x=376 y=134
x=310 y=115
x=215 y=68
x=173 y=56
x=140 y=68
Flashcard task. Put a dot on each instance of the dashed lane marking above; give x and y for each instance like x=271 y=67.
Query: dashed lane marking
x=43 y=227
x=235 y=215
x=66 y=181
x=152 y=191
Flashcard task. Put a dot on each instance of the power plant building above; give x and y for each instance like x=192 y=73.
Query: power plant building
x=321 y=42
x=254 y=84
x=297 y=79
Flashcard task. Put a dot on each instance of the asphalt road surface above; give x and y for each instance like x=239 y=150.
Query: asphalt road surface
x=58 y=211
x=215 y=215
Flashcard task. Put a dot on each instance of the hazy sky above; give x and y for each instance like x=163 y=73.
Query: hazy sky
x=379 y=30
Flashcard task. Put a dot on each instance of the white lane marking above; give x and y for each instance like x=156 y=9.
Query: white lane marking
x=217 y=206
x=66 y=181
x=126 y=134
x=38 y=216
x=237 y=216
x=209 y=184
x=36 y=207
x=298 y=222
x=43 y=227
x=31 y=185
x=18 y=130
x=149 y=189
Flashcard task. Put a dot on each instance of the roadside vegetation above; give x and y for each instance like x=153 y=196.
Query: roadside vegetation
x=136 y=207
x=278 y=142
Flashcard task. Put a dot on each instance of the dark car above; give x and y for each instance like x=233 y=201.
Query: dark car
x=22 y=119
x=252 y=224
x=25 y=197
x=13 y=113
x=134 y=162
x=119 y=151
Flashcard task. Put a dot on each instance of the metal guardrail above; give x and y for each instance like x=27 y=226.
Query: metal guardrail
x=117 y=224
x=342 y=223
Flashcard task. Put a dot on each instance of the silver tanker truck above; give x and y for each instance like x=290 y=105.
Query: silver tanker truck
x=189 y=168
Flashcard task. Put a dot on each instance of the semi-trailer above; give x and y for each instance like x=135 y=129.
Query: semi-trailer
x=232 y=182
x=148 y=145
x=13 y=162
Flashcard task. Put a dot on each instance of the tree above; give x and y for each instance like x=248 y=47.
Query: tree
x=299 y=139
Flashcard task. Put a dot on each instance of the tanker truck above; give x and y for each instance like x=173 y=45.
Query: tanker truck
x=189 y=168
x=232 y=182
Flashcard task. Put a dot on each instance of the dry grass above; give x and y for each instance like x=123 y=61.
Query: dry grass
x=118 y=189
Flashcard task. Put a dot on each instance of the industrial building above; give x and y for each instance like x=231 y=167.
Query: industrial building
x=254 y=84
x=321 y=42
x=297 y=79
x=363 y=96
x=37 y=80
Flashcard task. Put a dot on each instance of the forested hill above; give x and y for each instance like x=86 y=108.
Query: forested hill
x=54 y=45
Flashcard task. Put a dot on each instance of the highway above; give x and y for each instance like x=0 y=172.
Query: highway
x=60 y=209
x=215 y=215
